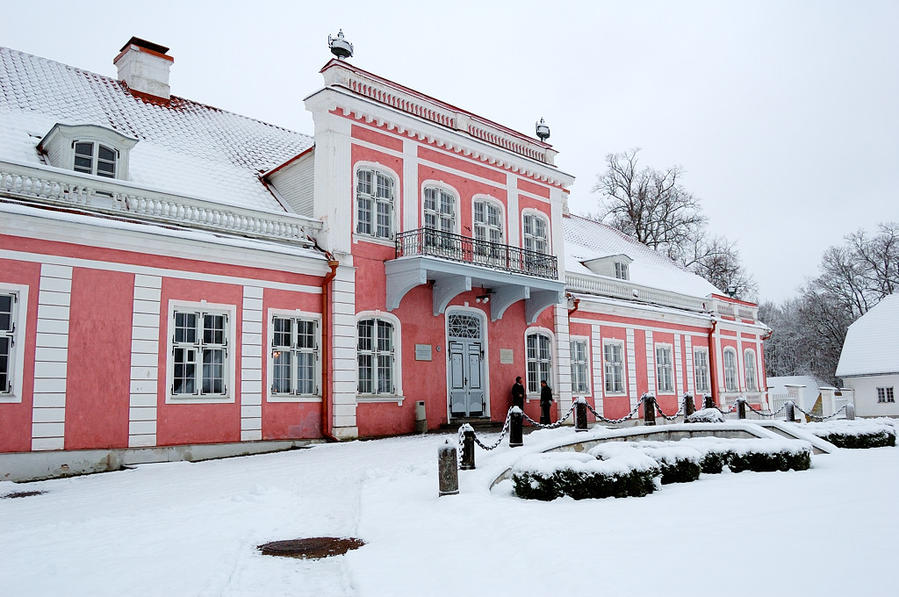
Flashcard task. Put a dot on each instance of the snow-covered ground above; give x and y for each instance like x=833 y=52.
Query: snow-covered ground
x=192 y=529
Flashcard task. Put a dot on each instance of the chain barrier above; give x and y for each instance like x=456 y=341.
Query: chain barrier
x=764 y=414
x=502 y=434
x=816 y=417
x=551 y=425
x=599 y=417
x=726 y=412
x=679 y=412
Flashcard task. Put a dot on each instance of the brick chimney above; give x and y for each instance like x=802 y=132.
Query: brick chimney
x=144 y=67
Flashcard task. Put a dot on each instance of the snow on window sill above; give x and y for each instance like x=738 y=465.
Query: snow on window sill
x=375 y=240
x=376 y=398
x=293 y=398
x=192 y=399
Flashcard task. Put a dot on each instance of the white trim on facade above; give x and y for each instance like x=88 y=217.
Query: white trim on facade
x=553 y=365
x=16 y=364
x=397 y=394
x=144 y=388
x=269 y=363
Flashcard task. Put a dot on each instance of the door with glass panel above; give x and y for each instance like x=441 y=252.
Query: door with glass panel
x=465 y=356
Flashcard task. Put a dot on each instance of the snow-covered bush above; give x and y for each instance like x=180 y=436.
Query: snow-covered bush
x=554 y=474
x=678 y=463
x=706 y=415
x=760 y=455
x=854 y=434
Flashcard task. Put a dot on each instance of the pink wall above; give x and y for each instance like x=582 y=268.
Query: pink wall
x=15 y=418
x=198 y=423
x=99 y=359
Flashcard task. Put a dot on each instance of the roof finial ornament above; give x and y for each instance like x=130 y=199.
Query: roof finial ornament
x=542 y=130
x=339 y=46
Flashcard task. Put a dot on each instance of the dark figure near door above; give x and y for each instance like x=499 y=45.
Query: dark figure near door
x=518 y=393
x=546 y=398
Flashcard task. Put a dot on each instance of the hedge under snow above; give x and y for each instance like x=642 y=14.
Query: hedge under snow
x=622 y=469
x=854 y=434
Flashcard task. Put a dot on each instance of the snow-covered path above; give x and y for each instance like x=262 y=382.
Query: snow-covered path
x=191 y=529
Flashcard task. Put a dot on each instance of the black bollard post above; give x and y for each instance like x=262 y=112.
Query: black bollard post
x=708 y=402
x=467 y=447
x=790 y=415
x=516 y=422
x=447 y=469
x=649 y=409
x=580 y=414
x=741 y=408
x=689 y=405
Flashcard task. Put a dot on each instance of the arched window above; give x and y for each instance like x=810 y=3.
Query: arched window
x=376 y=356
x=536 y=233
x=730 y=370
x=439 y=209
x=375 y=191
x=95 y=158
x=749 y=370
x=488 y=229
x=539 y=359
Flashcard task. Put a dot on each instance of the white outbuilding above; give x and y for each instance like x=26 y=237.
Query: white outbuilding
x=869 y=363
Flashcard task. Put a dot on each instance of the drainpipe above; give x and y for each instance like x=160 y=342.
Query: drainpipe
x=713 y=379
x=326 y=348
x=577 y=304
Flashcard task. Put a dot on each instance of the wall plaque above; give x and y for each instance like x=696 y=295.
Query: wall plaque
x=422 y=352
x=506 y=356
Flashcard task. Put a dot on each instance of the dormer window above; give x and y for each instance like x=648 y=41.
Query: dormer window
x=88 y=149
x=95 y=158
x=617 y=266
x=621 y=270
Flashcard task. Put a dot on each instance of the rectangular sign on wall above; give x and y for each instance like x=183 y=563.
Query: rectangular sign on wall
x=506 y=356
x=422 y=352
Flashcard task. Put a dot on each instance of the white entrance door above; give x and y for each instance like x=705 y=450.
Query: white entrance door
x=466 y=366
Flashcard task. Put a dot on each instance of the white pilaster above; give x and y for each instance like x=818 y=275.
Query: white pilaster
x=597 y=366
x=411 y=196
x=691 y=381
x=650 y=363
x=678 y=368
x=563 y=347
x=145 y=314
x=513 y=214
x=631 y=367
x=251 y=365
x=48 y=416
x=343 y=334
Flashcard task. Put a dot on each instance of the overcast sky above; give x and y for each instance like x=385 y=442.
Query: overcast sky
x=784 y=115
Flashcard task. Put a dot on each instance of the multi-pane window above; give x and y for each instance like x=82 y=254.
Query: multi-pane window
x=294 y=355
x=95 y=158
x=535 y=233
x=613 y=355
x=7 y=331
x=749 y=370
x=579 y=367
x=885 y=394
x=539 y=360
x=440 y=210
x=621 y=270
x=200 y=353
x=701 y=369
x=374 y=203
x=375 y=353
x=664 y=370
x=488 y=228
x=730 y=370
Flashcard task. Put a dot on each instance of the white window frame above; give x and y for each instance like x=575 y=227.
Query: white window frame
x=705 y=387
x=749 y=362
x=730 y=373
x=535 y=331
x=95 y=157
x=394 y=210
x=232 y=352
x=272 y=396
x=622 y=270
x=582 y=366
x=668 y=370
x=397 y=395
x=605 y=368
x=886 y=395
x=444 y=188
x=16 y=363
x=498 y=256
x=535 y=213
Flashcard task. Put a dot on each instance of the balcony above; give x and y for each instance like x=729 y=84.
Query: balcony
x=456 y=264
x=454 y=247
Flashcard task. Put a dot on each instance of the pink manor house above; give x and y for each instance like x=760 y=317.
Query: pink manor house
x=177 y=281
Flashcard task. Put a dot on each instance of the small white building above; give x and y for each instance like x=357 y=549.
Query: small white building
x=869 y=363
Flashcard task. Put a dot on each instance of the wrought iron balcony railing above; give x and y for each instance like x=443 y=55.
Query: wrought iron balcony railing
x=464 y=249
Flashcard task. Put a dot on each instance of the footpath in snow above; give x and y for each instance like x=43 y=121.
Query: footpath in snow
x=192 y=529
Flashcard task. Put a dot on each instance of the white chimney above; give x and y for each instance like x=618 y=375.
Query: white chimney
x=144 y=67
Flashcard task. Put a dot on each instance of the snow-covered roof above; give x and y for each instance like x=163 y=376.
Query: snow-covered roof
x=872 y=342
x=183 y=147
x=587 y=239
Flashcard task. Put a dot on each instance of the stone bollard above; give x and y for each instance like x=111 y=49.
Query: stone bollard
x=649 y=409
x=689 y=406
x=467 y=447
x=708 y=402
x=741 y=408
x=448 y=469
x=580 y=414
x=850 y=411
x=790 y=415
x=516 y=422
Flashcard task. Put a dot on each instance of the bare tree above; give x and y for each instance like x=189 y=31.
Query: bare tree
x=785 y=350
x=653 y=207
